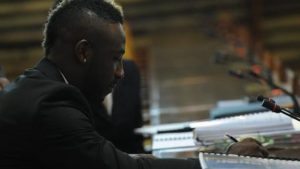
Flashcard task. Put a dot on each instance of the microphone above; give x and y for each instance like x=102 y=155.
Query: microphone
x=271 y=105
x=251 y=73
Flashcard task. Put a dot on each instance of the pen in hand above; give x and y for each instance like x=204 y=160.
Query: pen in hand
x=231 y=138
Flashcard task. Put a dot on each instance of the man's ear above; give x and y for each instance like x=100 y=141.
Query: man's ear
x=83 y=51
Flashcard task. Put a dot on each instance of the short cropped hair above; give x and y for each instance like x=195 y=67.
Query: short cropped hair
x=67 y=12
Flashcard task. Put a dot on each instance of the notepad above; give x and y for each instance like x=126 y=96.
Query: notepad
x=223 y=161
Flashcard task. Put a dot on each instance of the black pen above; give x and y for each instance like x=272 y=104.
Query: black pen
x=231 y=138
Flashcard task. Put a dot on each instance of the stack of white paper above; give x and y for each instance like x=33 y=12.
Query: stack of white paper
x=266 y=123
x=172 y=140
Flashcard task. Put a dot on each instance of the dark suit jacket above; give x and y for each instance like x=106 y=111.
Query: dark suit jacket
x=45 y=123
x=126 y=113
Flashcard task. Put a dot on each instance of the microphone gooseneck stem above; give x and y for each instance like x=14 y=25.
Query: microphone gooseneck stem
x=290 y=114
x=271 y=105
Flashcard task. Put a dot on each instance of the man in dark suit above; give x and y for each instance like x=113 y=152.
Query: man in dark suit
x=117 y=120
x=122 y=112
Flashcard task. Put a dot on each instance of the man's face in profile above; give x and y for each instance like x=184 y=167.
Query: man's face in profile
x=106 y=67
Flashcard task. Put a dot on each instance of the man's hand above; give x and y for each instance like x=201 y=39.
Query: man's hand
x=248 y=147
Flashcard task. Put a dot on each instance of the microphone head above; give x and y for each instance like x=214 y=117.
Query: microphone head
x=271 y=106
